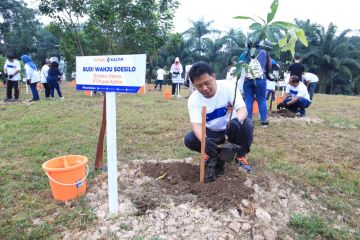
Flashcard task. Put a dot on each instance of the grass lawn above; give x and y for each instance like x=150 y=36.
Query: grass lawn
x=321 y=158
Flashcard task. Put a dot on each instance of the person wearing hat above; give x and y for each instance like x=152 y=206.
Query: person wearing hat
x=176 y=71
x=12 y=69
x=32 y=76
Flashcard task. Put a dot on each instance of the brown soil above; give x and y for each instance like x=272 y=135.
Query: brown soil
x=283 y=113
x=225 y=192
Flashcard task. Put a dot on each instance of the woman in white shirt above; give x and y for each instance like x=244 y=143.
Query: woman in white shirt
x=32 y=76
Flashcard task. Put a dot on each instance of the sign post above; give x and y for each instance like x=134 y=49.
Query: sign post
x=119 y=73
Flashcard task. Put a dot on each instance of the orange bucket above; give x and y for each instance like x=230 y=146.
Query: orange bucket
x=88 y=93
x=255 y=107
x=167 y=94
x=67 y=176
x=73 y=83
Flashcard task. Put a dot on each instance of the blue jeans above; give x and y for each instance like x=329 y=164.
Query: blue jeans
x=258 y=90
x=298 y=106
x=241 y=135
x=34 y=91
x=54 y=85
x=312 y=88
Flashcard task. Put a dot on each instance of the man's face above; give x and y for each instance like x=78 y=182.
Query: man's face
x=206 y=85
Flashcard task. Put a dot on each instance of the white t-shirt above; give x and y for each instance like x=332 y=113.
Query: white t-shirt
x=44 y=73
x=11 y=67
x=31 y=74
x=160 y=74
x=270 y=85
x=217 y=115
x=299 y=91
x=187 y=68
x=310 y=77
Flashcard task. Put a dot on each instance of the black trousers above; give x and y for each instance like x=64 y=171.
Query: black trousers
x=240 y=134
x=47 y=89
x=9 y=86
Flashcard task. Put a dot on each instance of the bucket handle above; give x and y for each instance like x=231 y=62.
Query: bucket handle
x=71 y=184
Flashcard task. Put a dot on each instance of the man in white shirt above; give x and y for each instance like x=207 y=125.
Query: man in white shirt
x=12 y=69
x=160 y=77
x=43 y=75
x=296 y=97
x=311 y=81
x=187 y=79
x=218 y=97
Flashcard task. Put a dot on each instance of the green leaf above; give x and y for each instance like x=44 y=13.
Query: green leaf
x=261 y=19
x=282 y=24
x=282 y=42
x=301 y=36
x=273 y=9
x=255 y=26
x=244 y=18
x=270 y=35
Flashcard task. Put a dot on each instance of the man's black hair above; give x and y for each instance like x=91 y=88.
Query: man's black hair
x=198 y=69
x=10 y=56
x=297 y=57
x=294 y=78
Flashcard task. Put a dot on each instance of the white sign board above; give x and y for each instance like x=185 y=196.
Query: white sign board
x=116 y=73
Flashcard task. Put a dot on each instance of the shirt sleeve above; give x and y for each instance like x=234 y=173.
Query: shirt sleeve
x=28 y=71
x=194 y=111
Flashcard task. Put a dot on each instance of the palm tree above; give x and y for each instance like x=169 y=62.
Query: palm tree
x=334 y=59
x=198 y=35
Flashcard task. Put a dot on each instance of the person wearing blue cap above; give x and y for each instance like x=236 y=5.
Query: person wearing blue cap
x=32 y=76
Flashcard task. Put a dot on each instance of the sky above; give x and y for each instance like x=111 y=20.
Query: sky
x=344 y=13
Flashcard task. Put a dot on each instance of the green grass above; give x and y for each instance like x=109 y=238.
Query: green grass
x=313 y=227
x=314 y=156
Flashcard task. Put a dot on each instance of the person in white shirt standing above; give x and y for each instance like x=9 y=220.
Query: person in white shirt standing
x=12 y=69
x=187 y=80
x=218 y=97
x=160 y=77
x=311 y=82
x=32 y=76
x=43 y=76
x=296 y=97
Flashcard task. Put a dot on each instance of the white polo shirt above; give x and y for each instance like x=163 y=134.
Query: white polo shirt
x=217 y=115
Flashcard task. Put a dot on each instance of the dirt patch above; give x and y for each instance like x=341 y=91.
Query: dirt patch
x=183 y=178
x=283 y=113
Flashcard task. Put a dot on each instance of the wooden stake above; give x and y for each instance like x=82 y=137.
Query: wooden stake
x=100 y=146
x=203 y=133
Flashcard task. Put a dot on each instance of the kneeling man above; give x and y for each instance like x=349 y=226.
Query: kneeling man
x=218 y=98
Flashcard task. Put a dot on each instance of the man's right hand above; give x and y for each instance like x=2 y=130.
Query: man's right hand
x=281 y=105
x=10 y=76
x=211 y=146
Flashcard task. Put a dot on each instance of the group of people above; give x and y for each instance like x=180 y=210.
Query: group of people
x=229 y=117
x=175 y=75
x=49 y=76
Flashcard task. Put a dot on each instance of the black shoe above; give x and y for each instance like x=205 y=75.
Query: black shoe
x=219 y=168
x=264 y=124
x=210 y=174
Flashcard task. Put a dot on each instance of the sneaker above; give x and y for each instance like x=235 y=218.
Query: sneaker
x=242 y=162
x=264 y=124
x=62 y=98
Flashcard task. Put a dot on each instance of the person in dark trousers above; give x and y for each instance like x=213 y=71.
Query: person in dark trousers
x=53 y=79
x=297 y=68
x=32 y=76
x=12 y=69
x=296 y=97
x=43 y=75
x=218 y=98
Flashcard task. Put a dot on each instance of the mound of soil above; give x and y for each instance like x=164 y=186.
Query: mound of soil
x=283 y=113
x=181 y=178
